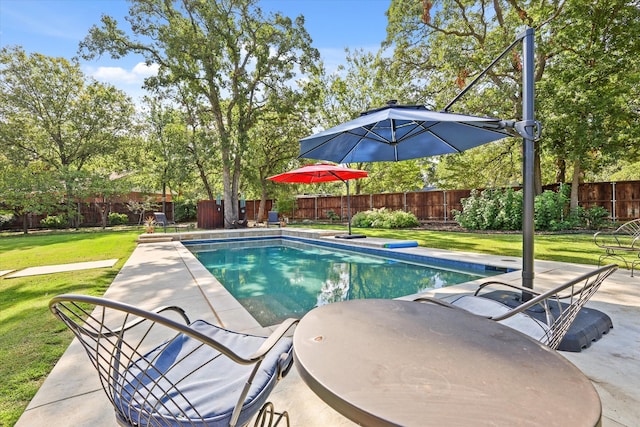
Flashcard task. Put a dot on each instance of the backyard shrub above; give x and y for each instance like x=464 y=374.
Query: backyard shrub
x=593 y=218
x=284 y=205
x=495 y=209
x=5 y=218
x=54 y=221
x=118 y=218
x=383 y=218
x=332 y=215
x=491 y=209
x=549 y=211
x=185 y=210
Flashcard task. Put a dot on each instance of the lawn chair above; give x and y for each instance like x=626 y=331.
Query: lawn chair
x=161 y=219
x=546 y=317
x=625 y=239
x=157 y=371
x=272 y=219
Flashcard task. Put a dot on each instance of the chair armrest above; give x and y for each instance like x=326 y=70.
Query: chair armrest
x=140 y=320
x=509 y=285
x=599 y=275
x=436 y=301
x=273 y=339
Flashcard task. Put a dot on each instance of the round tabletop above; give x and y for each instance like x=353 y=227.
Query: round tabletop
x=393 y=362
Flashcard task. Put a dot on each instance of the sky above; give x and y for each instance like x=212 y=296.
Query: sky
x=55 y=28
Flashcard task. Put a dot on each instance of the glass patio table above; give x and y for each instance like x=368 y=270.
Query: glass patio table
x=393 y=362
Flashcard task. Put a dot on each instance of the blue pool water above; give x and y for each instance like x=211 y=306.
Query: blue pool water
x=276 y=279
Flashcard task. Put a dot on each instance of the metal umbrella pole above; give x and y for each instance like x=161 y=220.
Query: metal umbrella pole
x=529 y=129
x=528 y=132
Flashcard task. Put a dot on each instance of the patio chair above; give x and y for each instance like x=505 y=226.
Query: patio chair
x=546 y=317
x=157 y=371
x=272 y=219
x=161 y=219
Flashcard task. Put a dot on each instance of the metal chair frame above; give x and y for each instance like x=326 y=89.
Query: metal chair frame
x=624 y=239
x=133 y=341
x=566 y=300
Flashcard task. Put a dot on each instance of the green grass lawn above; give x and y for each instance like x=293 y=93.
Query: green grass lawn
x=32 y=340
x=575 y=247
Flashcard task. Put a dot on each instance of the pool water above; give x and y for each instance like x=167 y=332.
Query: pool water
x=275 y=280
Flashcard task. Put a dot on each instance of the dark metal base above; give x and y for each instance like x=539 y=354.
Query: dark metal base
x=350 y=236
x=589 y=326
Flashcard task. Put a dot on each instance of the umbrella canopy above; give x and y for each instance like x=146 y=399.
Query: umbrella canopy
x=401 y=132
x=323 y=172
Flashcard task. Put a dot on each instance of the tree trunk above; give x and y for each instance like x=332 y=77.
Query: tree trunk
x=263 y=204
x=561 y=170
x=230 y=181
x=537 y=172
x=25 y=223
x=104 y=213
x=205 y=181
x=575 y=184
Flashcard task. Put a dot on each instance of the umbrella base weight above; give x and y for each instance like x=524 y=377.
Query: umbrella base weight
x=350 y=236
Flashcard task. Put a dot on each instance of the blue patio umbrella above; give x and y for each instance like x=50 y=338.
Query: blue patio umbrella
x=403 y=132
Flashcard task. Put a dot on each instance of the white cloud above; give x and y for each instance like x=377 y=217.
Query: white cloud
x=119 y=76
x=144 y=70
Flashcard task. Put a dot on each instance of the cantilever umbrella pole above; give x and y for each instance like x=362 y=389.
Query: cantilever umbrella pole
x=529 y=158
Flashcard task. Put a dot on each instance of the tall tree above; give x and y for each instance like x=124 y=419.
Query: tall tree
x=225 y=52
x=368 y=80
x=274 y=144
x=589 y=96
x=451 y=42
x=53 y=114
x=29 y=188
x=586 y=76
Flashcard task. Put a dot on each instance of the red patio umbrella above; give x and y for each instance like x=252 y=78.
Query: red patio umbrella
x=324 y=172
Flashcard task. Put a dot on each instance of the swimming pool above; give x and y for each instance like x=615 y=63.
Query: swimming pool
x=279 y=278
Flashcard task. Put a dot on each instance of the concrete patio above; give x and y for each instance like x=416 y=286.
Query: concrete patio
x=165 y=271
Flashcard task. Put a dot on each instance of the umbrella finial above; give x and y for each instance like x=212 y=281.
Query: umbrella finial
x=392 y=102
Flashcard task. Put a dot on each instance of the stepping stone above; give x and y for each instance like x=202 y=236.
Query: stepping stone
x=48 y=269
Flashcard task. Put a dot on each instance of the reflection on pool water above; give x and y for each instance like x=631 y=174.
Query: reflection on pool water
x=276 y=279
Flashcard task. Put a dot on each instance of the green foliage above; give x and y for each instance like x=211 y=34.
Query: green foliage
x=332 y=215
x=285 y=205
x=593 y=218
x=383 y=218
x=551 y=211
x=586 y=81
x=216 y=57
x=118 y=219
x=502 y=210
x=492 y=209
x=55 y=221
x=185 y=210
x=5 y=218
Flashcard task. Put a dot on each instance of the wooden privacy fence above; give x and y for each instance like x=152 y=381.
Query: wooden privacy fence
x=425 y=205
x=621 y=199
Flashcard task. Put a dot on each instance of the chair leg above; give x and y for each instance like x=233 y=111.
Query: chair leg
x=611 y=254
x=268 y=417
x=633 y=264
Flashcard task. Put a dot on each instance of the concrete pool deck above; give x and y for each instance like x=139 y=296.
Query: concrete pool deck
x=165 y=271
